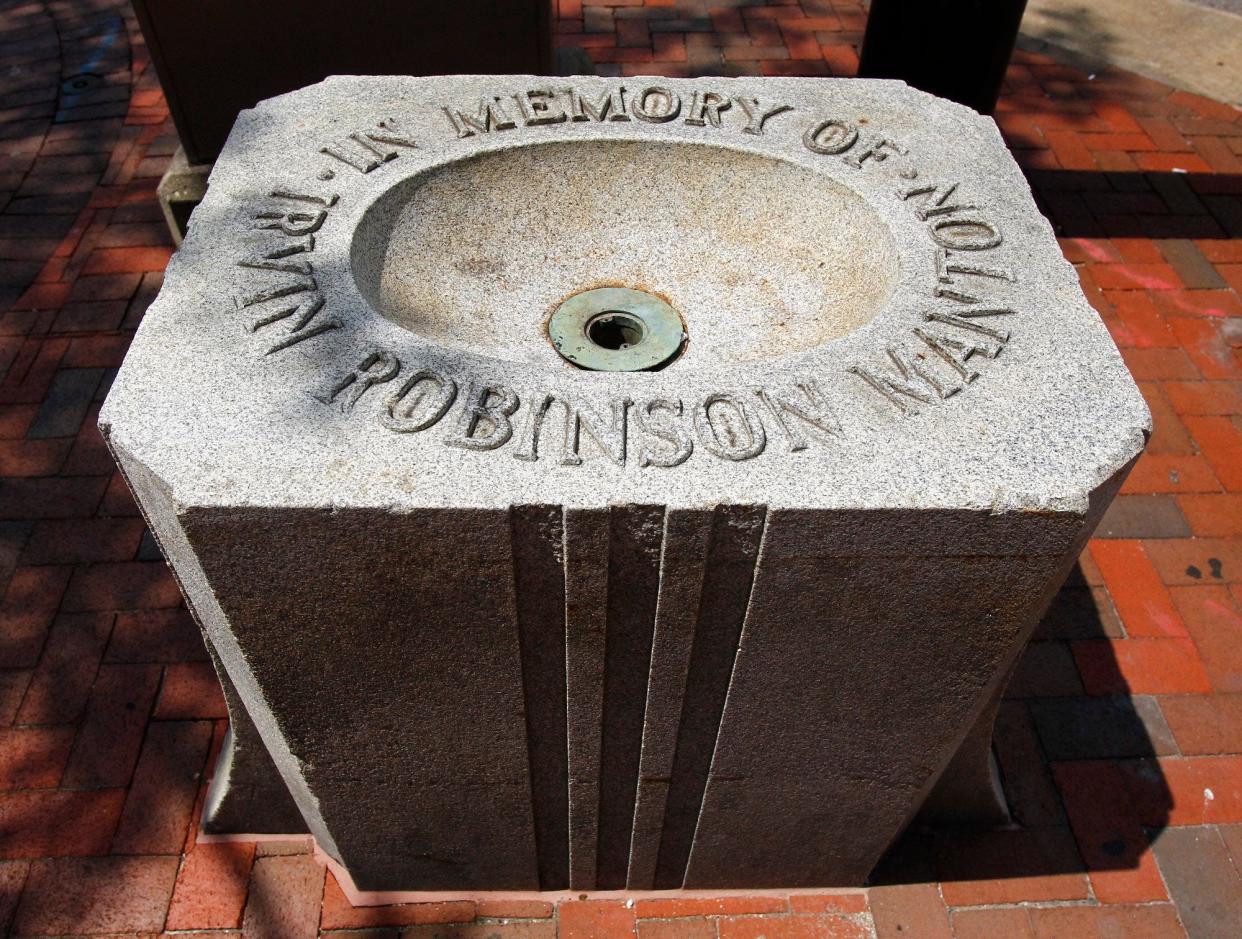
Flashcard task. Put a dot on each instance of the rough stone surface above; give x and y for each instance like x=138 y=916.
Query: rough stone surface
x=413 y=534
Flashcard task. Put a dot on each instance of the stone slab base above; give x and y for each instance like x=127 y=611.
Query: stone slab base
x=181 y=188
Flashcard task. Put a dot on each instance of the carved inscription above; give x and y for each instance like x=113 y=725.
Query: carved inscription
x=963 y=324
x=368 y=150
x=937 y=363
x=284 y=305
x=653 y=104
x=658 y=432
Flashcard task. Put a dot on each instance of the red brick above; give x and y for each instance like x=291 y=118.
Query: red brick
x=633 y=33
x=513 y=909
x=33 y=757
x=1070 y=149
x=166 y=781
x=96 y=352
x=117 y=501
x=211 y=887
x=1138 y=594
x=284 y=898
x=792 y=927
x=909 y=910
x=1110 y=836
x=991 y=924
x=130 y=585
x=29 y=604
x=56 y=823
x=190 y=691
x=842 y=59
x=1144 y=324
x=1214 y=397
x=1136 y=277
x=676 y=929
x=13 y=685
x=1215 y=515
x=1205 y=724
x=126 y=260
x=1190 y=561
x=829 y=903
x=709 y=906
x=1221 y=252
x=1216 y=627
x=83 y=540
x=42 y=297
x=338 y=913
x=111 y=736
x=1207 y=347
x=1185 y=791
x=1205 y=106
x=1150 y=921
x=1216 y=304
x=1172 y=162
x=998 y=867
x=97 y=895
x=528 y=929
x=594 y=919
x=101 y=316
x=156 y=636
x=1160 y=364
x=50 y=498
x=1170 y=472
x=105 y=287
x=1220 y=441
x=61 y=684
x=1140 y=666
x=15 y=420
x=1118 y=118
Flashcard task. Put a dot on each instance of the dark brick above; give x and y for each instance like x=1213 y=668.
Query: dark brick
x=99 y=316
x=56 y=823
x=1046 y=669
x=131 y=585
x=1140 y=516
x=29 y=605
x=149 y=549
x=97 y=895
x=66 y=404
x=111 y=736
x=1029 y=789
x=1201 y=880
x=62 y=682
x=161 y=797
x=104 y=287
x=909 y=910
x=1192 y=267
x=82 y=540
x=156 y=636
x=1102 y=728
x=285 y=894
x=50 y=497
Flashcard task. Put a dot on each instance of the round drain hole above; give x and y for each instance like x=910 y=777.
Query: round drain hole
x=615 y=329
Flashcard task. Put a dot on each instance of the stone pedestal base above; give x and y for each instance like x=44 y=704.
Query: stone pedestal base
x=181 y=188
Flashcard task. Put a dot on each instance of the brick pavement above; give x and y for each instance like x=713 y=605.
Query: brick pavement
x=1120 y=740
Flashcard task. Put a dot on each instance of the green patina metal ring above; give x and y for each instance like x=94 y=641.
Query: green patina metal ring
x=615 y=329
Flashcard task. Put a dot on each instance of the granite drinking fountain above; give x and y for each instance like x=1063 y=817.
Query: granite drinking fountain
x=616 y=484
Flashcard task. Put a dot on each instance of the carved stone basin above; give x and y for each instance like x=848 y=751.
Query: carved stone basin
x=635 y=484
x=761 y=257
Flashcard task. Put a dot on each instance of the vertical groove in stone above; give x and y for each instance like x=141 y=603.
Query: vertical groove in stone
x=683 y=561
x=586 y=543
x=539 y=583
x=736 y=535
x=633 y=586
